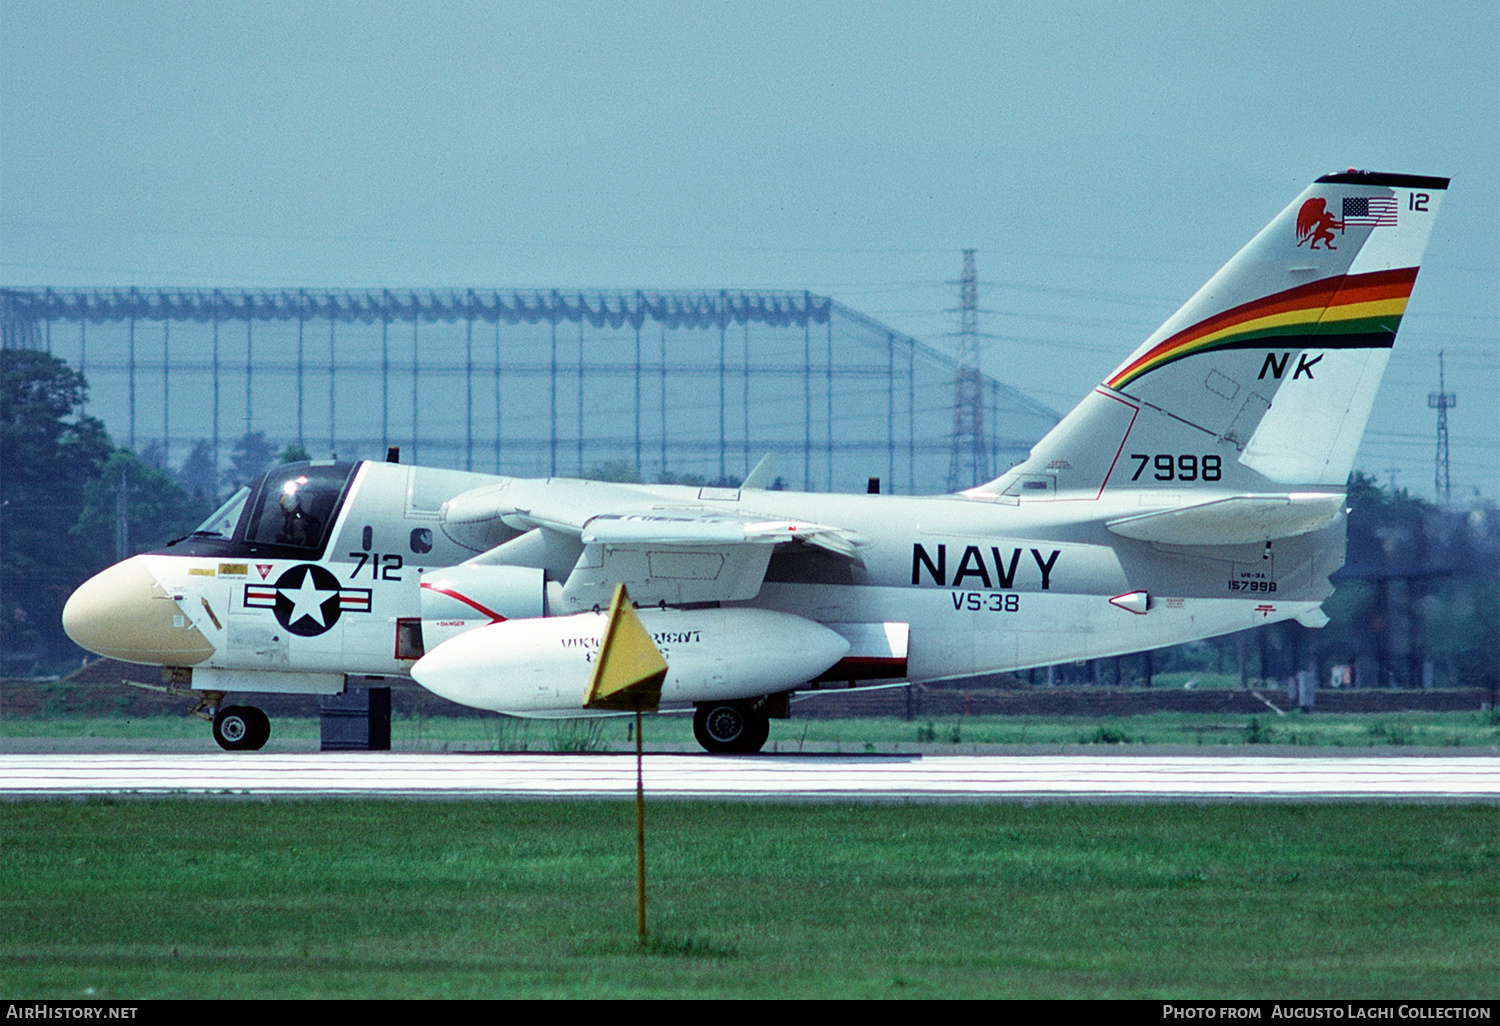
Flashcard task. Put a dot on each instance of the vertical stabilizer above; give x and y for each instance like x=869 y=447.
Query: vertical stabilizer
x=1264 y=379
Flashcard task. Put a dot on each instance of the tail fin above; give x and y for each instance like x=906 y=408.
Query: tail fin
x=1264 y=379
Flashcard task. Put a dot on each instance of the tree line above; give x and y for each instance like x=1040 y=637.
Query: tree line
x=72 y=502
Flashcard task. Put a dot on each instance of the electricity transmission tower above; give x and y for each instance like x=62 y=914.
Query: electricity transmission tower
x=970 y=462
x=1442 y=401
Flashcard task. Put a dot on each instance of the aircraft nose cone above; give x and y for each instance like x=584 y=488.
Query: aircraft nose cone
x=125 y=614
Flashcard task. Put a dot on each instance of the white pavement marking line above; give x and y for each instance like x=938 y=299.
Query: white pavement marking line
x=780 y=777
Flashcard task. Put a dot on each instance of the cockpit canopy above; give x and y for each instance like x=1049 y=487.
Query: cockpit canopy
x=287 y=512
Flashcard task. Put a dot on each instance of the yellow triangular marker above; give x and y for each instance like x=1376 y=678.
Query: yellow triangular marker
x=629 y=669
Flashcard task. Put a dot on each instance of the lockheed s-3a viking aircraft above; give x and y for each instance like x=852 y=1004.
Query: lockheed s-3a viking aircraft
x=1198 y=490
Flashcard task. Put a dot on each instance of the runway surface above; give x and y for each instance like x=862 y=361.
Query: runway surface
x=778 y=777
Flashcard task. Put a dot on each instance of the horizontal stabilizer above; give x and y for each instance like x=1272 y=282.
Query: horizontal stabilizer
x=1238 y=520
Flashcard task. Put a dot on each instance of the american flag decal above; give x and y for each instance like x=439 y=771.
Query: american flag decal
x=1372 y=210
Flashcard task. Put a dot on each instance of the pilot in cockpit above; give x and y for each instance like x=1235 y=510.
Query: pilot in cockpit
x=298 y=527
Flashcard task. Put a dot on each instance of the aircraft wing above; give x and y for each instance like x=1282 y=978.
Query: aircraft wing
x=663 y=549
x=681 y=556
x=713 y=527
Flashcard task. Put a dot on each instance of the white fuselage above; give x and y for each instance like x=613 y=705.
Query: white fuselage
x=978 y=585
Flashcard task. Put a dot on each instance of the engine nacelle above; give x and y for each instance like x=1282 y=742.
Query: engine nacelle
x=544 y=666
x=476 y=518
x=460 y=598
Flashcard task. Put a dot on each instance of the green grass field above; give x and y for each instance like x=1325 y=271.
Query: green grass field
x=187 y=898
x=1408 y=729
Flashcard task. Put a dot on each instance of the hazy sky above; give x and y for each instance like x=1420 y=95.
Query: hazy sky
x=1104 y=158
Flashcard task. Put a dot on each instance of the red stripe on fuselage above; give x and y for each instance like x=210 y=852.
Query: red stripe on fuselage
x=494 y=616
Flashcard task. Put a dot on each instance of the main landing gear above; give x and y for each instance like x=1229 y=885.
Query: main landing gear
x=730 y=727
x=241 y=728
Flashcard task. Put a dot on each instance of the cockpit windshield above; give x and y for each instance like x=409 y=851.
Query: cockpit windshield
x=294 y=505
x=221 y=522
x=287 y=512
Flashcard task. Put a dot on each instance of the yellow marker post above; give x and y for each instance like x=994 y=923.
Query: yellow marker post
x=628 y=674
x=629 y=669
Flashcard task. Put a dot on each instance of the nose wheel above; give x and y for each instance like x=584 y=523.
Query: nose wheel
x=726 y=727
x=241 y=728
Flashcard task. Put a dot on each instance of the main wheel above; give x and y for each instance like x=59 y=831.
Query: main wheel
x=723 y=727
x=260 y=727
x=241 y=728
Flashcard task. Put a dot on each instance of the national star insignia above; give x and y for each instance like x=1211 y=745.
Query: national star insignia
x=307 y=600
